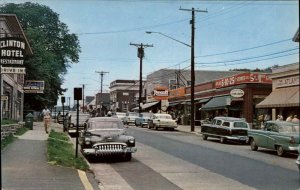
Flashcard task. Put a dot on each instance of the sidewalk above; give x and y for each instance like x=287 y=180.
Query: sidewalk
x=187 y=129
x=24 y=165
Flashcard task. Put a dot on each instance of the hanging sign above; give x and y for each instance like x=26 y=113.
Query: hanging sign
x=12 y=51
x=34 y=86
x=237 y=93
x=13 y=70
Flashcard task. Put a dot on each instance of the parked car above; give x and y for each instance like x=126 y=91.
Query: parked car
x=106 y=136
x=143 y=119
x=281 y=136
x=298 y=159
x=226 y=128
x=164 y=121
x=120 y=115
x=72 y=122
x=130 y=118
x=60 y=117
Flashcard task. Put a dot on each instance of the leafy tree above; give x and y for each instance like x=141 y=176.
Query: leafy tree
x=54 y=49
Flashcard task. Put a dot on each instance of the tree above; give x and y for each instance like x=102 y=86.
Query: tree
x=54 y=49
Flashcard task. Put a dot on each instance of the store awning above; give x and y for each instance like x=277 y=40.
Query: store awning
x=203 y=100
x=219 y=102
x=148 y=105
x=174 y=103
x=282 y=97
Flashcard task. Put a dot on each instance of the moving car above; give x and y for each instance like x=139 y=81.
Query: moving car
x=106 y=136
x=281 y=136
x=160 y=120
x=143 y=119
x=226 y=128
x=72 y=123
x=130 y=118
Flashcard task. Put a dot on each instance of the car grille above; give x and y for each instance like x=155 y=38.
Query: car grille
x=109 y=148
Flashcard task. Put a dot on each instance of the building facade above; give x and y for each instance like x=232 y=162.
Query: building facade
x=14 y=50
x=124 y=95
x=284 y=99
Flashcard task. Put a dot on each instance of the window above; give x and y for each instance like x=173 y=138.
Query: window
x=226 y=124
x=219 y=122
x=240 y=125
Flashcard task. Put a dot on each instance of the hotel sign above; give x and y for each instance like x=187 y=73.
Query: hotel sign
x=243 y=78
x=13 y=70
x=12 y=51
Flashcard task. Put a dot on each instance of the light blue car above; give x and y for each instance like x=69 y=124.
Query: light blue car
x=142 y=120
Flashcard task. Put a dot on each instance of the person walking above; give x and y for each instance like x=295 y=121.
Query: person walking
x=289 y=118
x=47 y=119
x=295 y=119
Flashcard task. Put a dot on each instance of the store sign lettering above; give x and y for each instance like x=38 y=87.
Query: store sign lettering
x=237 y=93
x=284 y=82
x=12 y=51
x=243 y=78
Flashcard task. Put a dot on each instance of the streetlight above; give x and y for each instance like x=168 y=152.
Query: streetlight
x=151 y=32
x=192 y=74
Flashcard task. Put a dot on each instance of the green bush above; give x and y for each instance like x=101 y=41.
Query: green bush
x=8 y=121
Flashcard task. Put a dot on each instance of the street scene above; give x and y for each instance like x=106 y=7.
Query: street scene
x=152 y=94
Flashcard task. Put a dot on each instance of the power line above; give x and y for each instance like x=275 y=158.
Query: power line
x=252 y=60
x=133 y=29
x=227 y=61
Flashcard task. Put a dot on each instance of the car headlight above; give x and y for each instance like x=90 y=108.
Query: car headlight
x=87 y=140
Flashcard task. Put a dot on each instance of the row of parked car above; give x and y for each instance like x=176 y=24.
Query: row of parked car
x=149 y=120
x=281 y=136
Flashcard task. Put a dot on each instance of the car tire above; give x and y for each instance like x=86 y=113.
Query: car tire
x=222 y=140
x=127 y=156
x=253 y=145
x=204 y=137
x=279 y=150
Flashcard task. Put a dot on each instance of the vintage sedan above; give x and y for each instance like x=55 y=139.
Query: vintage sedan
x=160 y=120
x=281 y=136
x=106 y=136
x=298 y=159
x=143 y=119
x=72 y=123
x=130 y=118
x=226 y=128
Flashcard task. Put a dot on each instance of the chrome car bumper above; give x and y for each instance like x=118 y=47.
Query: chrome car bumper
x=102 y=149
x=237 y=138
x=293 y=148
x=166 y=126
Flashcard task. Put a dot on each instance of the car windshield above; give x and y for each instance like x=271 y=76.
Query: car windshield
x=289 y=129
x=240 y=125
x=147 y=115
x=164 y=117
x=121 y=114
x=133 y=114
x=106 y=125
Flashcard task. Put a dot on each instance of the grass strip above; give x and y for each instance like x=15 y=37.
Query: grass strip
x=9 y=139
x=61 y=152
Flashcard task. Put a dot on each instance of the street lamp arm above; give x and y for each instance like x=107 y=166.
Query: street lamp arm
x=149 y=32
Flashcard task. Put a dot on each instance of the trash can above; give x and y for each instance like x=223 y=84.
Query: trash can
x=29 y=121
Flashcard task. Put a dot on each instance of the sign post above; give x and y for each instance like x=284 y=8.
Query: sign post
x=77 y=96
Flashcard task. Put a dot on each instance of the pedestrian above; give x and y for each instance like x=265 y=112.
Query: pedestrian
x=295 y=119
x=279 y=118
x=289 y=118
x=47 y=119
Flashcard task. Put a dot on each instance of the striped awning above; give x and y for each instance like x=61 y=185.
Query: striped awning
x=281 y=97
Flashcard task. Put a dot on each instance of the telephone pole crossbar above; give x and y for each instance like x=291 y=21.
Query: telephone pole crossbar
x=192 y=22
x=140 y=55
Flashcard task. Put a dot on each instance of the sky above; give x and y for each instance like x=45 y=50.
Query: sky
x=232 y=34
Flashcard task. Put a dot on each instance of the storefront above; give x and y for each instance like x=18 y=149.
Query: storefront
x=284 y=98
x=14 y=51
x=234 y=96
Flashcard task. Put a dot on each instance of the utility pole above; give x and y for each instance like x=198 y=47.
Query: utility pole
x=83 y=85
x=140 y=55
x=192 y=22
x=102 y=73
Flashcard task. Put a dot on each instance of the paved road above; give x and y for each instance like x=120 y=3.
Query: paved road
x=175 y=160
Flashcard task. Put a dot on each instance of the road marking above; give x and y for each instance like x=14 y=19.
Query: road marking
x=86 y=183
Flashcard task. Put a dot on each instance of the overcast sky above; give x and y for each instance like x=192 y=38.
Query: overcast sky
x=233 y=34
